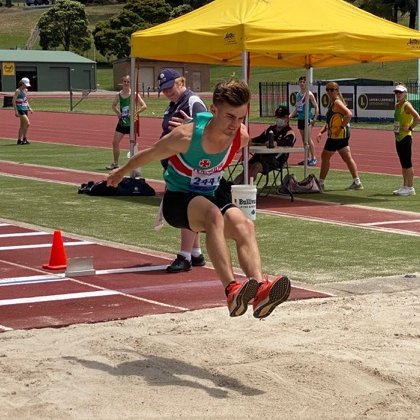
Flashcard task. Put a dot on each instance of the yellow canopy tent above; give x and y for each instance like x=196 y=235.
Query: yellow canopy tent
x=277 y=33
x=297 y=33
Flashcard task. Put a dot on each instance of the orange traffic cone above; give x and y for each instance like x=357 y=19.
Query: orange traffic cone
x=58 y=258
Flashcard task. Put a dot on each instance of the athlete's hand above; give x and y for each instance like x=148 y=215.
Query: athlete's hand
x=114 y=178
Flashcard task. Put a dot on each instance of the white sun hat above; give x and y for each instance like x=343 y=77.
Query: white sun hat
x=400 y=88
x=26 y=81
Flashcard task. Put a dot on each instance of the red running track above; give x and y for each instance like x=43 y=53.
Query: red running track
x=127 y=283
x=373 y=150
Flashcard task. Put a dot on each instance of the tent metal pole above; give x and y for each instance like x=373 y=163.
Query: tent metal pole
x=418 y=28
x=306 y=129
x=245 y=149
x=132 y=108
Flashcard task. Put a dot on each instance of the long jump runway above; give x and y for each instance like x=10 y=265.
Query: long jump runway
x=126 y=283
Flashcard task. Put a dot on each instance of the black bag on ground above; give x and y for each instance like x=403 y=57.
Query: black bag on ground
x=127 y=187
x=308 y=185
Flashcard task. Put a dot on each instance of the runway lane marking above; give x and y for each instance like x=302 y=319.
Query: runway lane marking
x=390 y=222
x=18 y=235
x=4 y=328
x=62 y=277
x=101 y=292
x=54 y=298
x=36 y=246
x=10 y=281
x=339 y=223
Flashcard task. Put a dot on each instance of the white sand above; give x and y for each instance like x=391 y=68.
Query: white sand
x=337 y=358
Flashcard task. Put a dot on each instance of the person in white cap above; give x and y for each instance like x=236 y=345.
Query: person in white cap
x=405 y=119
x=21 y=106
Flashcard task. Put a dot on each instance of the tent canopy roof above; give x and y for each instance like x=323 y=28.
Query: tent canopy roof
x=278 y=33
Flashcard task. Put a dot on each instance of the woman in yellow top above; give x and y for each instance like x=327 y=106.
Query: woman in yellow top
x=338 y=118
x=405 y=119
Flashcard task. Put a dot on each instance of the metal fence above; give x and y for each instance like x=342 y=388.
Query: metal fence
x=272 y=94
x=413 y=96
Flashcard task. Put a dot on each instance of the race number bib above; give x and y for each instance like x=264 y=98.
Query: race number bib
x=396 y=127
x=125 y=111
x=299 y=106
x=202 y=181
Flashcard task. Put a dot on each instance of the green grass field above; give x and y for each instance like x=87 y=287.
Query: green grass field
x=308 y=251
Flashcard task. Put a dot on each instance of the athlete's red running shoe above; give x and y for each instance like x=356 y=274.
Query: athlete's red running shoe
x=269 y=295
x=239 y=295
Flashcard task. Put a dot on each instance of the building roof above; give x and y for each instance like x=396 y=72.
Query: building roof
x=41 y=56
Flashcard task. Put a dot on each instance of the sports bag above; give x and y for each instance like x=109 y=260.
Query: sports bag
x=308 y=185
x=127 y=187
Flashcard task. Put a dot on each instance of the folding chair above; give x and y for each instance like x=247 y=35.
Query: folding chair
x=274 y=178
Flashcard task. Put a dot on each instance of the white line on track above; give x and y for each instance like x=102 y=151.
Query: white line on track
x=62 y=276
x=390 y=222
x=54 y=298
x=4 y=224
x=4 y=328
x=345 y=224
x=16 y=247
x=22 y=234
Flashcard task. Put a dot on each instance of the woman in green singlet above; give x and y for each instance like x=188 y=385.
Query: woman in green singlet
x=405 y=119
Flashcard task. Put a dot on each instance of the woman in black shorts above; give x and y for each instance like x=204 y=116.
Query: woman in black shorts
x=338 y=119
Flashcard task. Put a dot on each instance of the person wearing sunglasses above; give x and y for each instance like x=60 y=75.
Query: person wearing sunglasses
x=282 y=134
x=405 y=119
x=338 y=129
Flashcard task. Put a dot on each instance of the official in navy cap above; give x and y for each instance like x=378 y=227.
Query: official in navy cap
x=167 y=79
x=182 y=100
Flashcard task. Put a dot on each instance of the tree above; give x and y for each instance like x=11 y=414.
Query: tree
x=180 y=10
x=390 y=9
x=66 y=24
x=151 y=11
x=195 y=4
x=112 y=37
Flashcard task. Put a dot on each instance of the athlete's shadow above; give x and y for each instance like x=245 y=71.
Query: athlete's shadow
x=163 y=371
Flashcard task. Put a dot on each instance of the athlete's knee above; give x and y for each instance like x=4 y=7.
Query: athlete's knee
x=210 y=219
x=239 y=226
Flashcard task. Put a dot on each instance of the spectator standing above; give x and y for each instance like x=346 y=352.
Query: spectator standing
x=22 y=107
x=121 y=107
x=283 y=136
x=198 y=153
x=405 y=119
x=183 y=102
x=338 y=128
x=300 y=113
